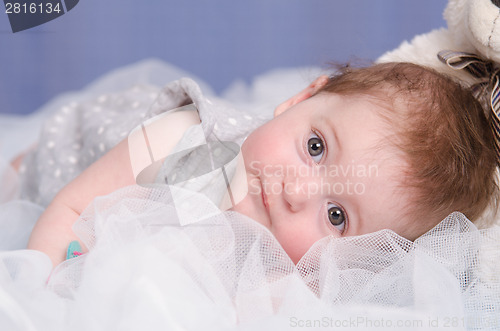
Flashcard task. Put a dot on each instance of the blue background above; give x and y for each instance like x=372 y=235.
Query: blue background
x=217 y=40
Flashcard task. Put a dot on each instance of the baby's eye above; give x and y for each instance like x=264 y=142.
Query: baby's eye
x=315 y=147
x=337 y=217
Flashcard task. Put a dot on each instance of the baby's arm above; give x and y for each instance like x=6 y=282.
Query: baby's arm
x=151 y=141
x=53 y=231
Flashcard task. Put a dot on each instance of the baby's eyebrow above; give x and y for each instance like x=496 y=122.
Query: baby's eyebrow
x=333 y=133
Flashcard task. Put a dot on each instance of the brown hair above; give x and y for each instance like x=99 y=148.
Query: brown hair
x=441 y=130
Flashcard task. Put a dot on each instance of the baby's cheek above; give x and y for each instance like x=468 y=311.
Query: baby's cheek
x=249 y=149
x=265 y=140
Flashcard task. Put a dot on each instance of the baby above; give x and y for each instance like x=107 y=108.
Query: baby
x=392 y=146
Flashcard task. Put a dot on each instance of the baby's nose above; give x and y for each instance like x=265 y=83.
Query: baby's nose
x=298 y=191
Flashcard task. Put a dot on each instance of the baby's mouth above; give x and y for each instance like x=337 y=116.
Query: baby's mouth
x=264 y=198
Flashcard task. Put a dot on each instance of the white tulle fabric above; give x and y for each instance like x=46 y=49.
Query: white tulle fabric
x=146 y=271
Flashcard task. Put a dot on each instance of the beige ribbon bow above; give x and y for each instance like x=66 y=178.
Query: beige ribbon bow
x=488 y=75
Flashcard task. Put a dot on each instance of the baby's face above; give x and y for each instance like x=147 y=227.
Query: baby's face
x=322 y=168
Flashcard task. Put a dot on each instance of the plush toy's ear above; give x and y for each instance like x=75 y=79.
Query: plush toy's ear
x=481 y=28
x=302 y=95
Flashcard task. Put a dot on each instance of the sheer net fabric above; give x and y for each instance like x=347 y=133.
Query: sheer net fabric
x=226 y=271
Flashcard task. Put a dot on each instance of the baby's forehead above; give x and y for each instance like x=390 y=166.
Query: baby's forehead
x=359 y=112
x=383 y=100
x=365 y=132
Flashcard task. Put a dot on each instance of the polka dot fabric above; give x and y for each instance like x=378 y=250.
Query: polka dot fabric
x=80 y=133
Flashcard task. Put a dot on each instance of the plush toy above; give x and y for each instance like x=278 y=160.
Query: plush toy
x=468 y=51
x=473 y=27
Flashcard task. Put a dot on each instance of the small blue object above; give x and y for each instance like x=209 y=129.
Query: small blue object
x=74 y=250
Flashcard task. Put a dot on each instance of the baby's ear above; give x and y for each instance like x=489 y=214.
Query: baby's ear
x=302 y=95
